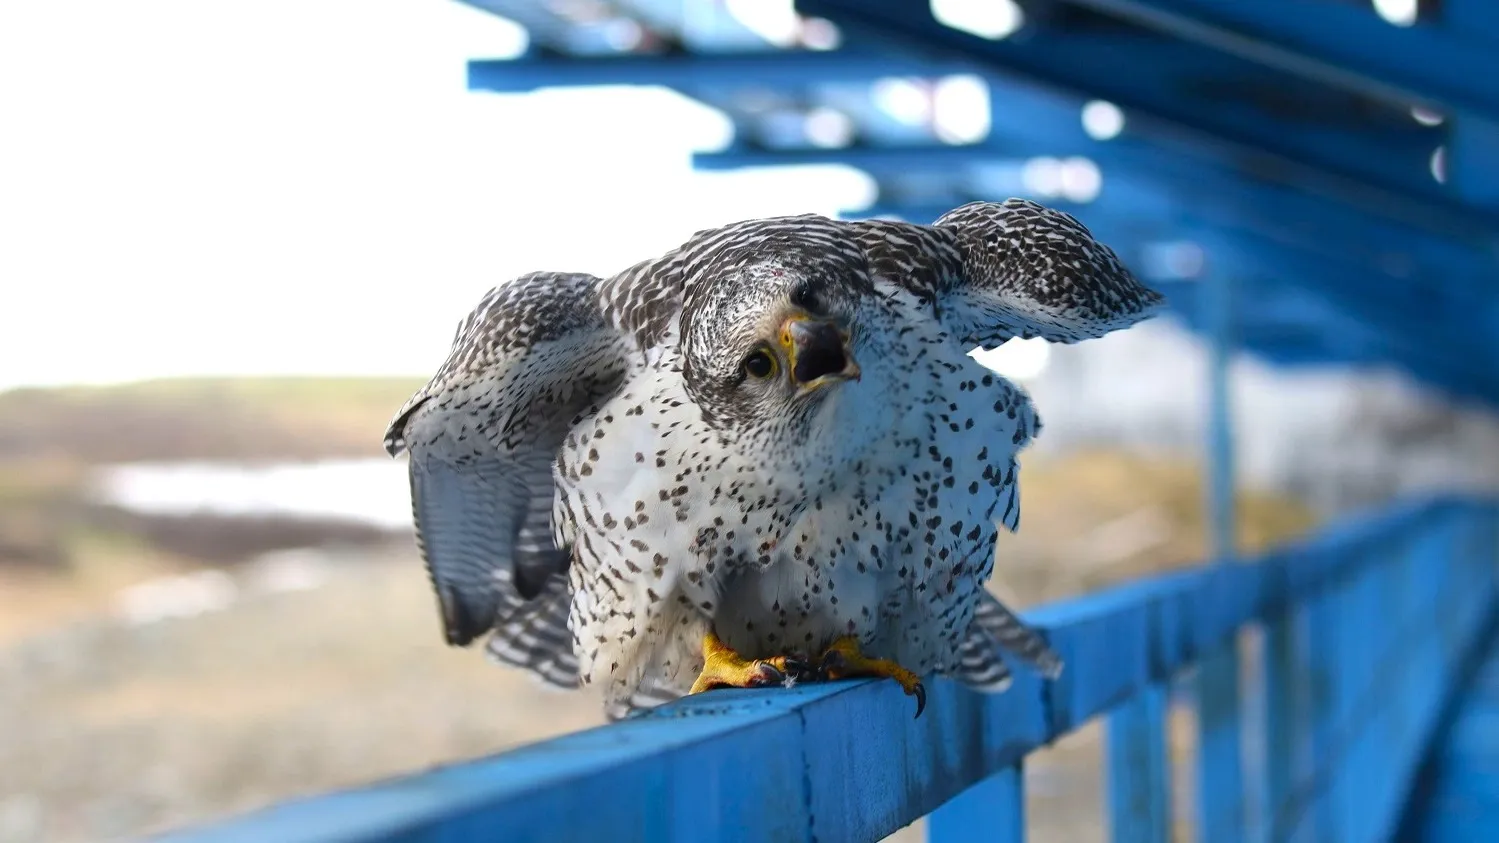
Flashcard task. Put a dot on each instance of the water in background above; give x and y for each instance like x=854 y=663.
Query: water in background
x=371 y=491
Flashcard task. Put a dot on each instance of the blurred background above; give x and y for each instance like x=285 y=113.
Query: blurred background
x=234 y=238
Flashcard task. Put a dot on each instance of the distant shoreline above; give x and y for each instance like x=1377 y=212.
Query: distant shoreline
x=241 y=419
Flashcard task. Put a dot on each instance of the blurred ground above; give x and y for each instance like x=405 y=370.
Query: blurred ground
x=160 y=671
x=202 y=418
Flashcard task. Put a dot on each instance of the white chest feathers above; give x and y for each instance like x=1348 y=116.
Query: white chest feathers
x=880 y=524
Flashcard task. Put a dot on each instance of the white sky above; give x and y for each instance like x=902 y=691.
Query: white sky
x=306 y=186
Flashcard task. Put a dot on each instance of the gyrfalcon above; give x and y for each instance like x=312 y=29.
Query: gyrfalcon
x=765 y=456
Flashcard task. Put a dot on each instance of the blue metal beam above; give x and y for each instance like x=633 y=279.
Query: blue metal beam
x=992 y=810
x=1190 y=87
x=1033 y=123
x=1476 y=20
x=1436 y=249
x=1220 y=789
x=1391 y=302
x=1218 y=313
x=1354 y=320
x=1425 y=334
x=543 y=26
x=765 y=68
x=1282 y=213
x=1472 y=158
x=1439 y=64
x=1435 y=63
x=1139 y=772
x=704 y=769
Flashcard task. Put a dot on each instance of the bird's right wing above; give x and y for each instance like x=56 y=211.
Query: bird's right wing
x=996 y=271
x=483 y=435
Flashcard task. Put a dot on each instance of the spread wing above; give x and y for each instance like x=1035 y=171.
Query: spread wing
x=483 y=435
x=997 y=271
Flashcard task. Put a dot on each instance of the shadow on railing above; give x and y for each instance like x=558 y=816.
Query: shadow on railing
x=1363 y=631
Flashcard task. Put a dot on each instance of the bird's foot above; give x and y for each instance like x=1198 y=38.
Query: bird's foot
x=724 y=668
x=844 y=660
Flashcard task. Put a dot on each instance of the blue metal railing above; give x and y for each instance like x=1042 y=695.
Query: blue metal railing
x=1365 y=630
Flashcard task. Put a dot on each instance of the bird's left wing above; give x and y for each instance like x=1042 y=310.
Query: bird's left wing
x=483 y=435
x=995 y=271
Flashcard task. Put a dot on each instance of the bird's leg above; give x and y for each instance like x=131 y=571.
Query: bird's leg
x=724 y=668
x=844 y=660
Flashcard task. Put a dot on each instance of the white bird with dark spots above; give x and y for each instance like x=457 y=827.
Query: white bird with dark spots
x=764 y=457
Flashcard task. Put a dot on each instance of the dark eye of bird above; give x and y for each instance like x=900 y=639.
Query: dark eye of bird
x=760 y=364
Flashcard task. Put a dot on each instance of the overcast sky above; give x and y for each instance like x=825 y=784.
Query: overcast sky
x=306 y=186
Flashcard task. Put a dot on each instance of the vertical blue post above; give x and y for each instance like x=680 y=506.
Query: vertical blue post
x=1316 y=820
x=1139 y=781
x=992 y=811
x=1282 y=670
x=1217 y=303
x=1221 y=817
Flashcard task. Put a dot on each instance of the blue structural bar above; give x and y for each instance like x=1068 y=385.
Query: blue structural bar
x=1218 y=314
x=847 y=762
x=1387 y=643
x=1285 y=759
x=1457 y=798
x=542 y=24
x=1158 y=86
x=1322 y=663
x=759 y=67
x=1139 y=776
x=1476 y=20
x=1465 y=254
x=992 y=811
x=1221 y=814
x=1471 y=157
x=1436 y=63
x=1222 y=809
x=1461 y=365
x=1034 y=124
x=1439 y=63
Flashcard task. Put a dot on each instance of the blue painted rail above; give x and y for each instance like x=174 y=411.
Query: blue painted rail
x=1365 y=631
x=1457 y=793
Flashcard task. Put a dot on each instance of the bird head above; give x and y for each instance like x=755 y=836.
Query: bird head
x=770 y=336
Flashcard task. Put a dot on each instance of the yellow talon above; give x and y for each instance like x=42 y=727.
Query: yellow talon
x=844 y=660
x=724 y=668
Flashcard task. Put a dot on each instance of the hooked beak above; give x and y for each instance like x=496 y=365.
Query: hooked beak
x=817 y=352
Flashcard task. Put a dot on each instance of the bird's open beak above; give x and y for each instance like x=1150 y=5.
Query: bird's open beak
x=817 y=352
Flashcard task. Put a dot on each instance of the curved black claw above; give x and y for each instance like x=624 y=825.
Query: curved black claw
x=835 y=663
x=799 y=669
x=832 y=661
x=765 y=676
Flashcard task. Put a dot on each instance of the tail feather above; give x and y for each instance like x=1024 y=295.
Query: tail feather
x=536 y=637
x=651 y=694
x=994 y=632
x=1013 y=635
x=980 y=665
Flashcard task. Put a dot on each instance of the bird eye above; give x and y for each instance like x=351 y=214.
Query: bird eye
x=760 y=364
